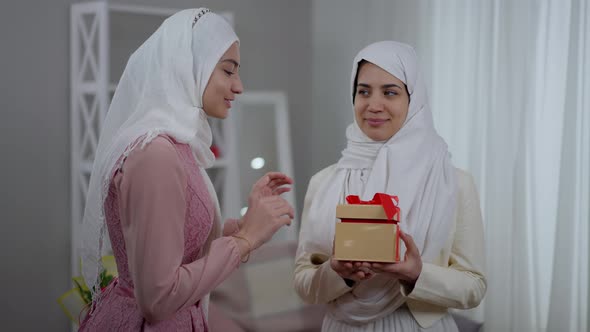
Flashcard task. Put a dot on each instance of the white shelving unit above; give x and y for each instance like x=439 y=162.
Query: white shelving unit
x=92 y=84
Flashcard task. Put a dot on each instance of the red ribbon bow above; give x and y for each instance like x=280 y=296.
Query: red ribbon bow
x=389 y=203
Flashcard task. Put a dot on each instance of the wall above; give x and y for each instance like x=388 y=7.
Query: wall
x=34 y=128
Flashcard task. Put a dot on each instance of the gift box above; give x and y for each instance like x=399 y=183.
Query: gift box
x=368 y=230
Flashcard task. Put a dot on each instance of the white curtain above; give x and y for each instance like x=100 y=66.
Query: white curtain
x=569 y=291
x=510 y=92
x=510 y=87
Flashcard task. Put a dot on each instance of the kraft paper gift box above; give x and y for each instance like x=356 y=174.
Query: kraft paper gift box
x=368 y=230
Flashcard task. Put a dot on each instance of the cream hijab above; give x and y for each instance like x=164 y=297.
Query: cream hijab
x=414 y=164
x=160 y=92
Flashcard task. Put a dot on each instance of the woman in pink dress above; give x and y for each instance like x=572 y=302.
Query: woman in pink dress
x=149 y=189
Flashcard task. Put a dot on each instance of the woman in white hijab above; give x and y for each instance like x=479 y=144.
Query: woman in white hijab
x=150 y=190
x=393 y=148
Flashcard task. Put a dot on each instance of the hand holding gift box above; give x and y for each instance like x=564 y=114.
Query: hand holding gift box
x=369 y=230
x=368 y=240
x=406 y=271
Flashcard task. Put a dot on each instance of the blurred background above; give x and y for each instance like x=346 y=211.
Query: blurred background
x=509 y=84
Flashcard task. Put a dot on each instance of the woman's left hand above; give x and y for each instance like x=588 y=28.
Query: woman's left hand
x=407 y=271
x=272 y=184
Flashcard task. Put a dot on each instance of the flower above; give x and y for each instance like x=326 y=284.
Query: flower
x=76 y=302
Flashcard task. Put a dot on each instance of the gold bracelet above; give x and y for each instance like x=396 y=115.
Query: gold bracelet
x=249 y=248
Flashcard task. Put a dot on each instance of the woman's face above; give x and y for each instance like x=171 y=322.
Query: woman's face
x=224 y=84
x=381 y=102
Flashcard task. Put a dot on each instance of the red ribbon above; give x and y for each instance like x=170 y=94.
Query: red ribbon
x=389 y=203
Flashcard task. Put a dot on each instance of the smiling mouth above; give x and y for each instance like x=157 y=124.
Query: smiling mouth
x=376 y=122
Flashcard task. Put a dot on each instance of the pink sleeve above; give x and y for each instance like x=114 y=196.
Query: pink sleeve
x=152 y=207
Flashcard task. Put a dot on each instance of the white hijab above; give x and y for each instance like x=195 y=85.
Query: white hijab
x=160 y=92
x=414 y=164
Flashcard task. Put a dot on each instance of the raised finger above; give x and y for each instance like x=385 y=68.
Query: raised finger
x=281 y=190
x=261 y=183
x=410 y=244
x=277 y=201
x=285 y=220
x=279 y=176
x=286 y=212
x=279 y=182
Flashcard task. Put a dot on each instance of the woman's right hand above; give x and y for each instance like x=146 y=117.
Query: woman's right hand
x=267 y=211
x=355 y=271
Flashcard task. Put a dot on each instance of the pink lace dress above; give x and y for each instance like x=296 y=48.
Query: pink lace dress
x=159 y=215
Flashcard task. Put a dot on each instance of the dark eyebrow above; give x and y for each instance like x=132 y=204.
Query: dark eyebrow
x=384 y=86
x=387 y=86
x=232 y=61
